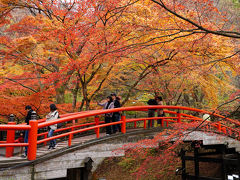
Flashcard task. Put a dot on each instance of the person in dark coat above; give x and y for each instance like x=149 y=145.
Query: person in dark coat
x=160 y=112
x=151 y=112
x=116 y=115
x=27 y=119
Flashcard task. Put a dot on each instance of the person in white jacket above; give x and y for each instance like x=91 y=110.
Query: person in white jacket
x=51 y=116
x=108 y=116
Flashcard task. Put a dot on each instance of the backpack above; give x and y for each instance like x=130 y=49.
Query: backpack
x=59 y=125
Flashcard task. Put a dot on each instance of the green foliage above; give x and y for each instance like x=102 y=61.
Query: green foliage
x=128 y=164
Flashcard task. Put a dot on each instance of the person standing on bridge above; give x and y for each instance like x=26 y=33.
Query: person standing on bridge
x=116 y=115
x=151 y=112
x=27 y=119
x=51 y=116
x=160 y=112
x=108 y=116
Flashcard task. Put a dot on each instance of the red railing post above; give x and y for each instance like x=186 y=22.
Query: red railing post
x=45 y=137
x=162 y=122
x=224 y=130
x=70 y=140
x=219 y=126
x=178 y=117
x=123 y=119
x=97 y=123
x=10 y=139
x=145 y=124
x=32 y=139
x=135 y=124
x=97 y=132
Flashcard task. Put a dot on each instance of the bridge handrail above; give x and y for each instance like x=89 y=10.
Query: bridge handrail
x=133 y=108
x=35 y=125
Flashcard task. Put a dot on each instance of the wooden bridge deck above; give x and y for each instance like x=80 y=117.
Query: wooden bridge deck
x=43 y=150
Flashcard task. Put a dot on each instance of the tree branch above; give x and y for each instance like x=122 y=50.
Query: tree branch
x=220 y=33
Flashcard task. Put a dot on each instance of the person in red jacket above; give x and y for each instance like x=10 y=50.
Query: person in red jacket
x=21 y=140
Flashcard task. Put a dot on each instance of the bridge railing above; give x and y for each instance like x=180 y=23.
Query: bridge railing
x=75 y=128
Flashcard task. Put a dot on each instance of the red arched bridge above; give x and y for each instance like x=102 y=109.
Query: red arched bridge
x=80 y=122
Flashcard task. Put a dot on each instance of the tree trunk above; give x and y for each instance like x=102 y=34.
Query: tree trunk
x=81 y=106
x=60 y=95
x=75 y=95
x=87 y=104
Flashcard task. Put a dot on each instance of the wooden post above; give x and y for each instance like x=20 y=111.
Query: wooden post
x=145 y=124
x=183 y=152
x=196 y=162
x=32 y=137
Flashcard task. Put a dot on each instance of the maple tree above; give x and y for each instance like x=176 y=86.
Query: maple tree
x=210 y=75
x=198 y=56
x=71 y=45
